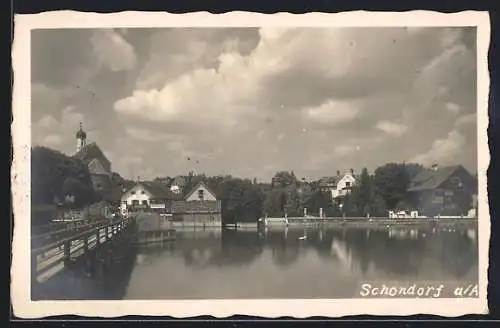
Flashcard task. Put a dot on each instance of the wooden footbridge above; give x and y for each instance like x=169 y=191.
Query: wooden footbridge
x=55 y=250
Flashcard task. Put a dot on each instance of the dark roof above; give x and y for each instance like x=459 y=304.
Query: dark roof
x=197 y=206
x=428 y=179
x=327 y=181
x=157 y=190
x=90 y=152
x=127 y=185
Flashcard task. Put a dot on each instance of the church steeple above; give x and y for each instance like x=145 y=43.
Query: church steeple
x=81 y=138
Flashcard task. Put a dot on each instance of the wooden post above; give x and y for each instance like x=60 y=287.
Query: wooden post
x=85 y=244
x=98 y=237
x=67 y=252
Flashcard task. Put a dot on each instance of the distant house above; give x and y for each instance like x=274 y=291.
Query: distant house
x=147 y=195
x=201 y=193
x=199 y=206
x=445 y=191
x=329 y=184
x=178 y=184
x=344 y=186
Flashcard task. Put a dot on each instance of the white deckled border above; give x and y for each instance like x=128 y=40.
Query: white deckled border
x=20 y=175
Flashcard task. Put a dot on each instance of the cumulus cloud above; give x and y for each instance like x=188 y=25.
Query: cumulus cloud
x=47 y=122
x=52 y=140
x=148 y=134
x=112 y=50
x=59 y=132
x=466 y=120
x=344 y=150
x=443 y=151
x=277 y=97
x=452 y=107
x=391 y=128
x=332 y=113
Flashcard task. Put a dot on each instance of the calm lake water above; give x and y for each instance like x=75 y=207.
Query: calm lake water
x=329 y=263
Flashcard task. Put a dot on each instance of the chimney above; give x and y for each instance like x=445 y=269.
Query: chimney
x=338 y=173
x=352 y=171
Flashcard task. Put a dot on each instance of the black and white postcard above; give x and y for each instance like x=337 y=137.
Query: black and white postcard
x=267 y=165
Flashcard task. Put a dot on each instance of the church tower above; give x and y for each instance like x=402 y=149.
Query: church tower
x=81 y=138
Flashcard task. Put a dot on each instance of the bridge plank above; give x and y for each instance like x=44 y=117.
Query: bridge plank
x=50 y=258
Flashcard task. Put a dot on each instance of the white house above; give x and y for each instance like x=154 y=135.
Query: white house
x=344 y=185
x=146 y=194
x=201 y=193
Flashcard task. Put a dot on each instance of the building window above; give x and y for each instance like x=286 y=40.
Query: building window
x=144 y=202
x=135 y=202
x=142 y=192
x=348 y=183
x=438 y=200
x=98 y=186
x=456 y=181
x=448 y=193
x=201 y=194
x=133 y=192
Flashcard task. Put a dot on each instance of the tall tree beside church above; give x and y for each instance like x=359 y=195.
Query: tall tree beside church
x=54 y=176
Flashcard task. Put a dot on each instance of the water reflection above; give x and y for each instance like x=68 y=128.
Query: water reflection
x=299 y=263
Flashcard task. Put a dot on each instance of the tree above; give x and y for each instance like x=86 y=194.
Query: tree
x=81 y=193
x=392 y=180
x=284 y=179
x=274 y=203
x=321 y=199
x=55 y=176
x=364 y=199
x=241 y=200
x=293 y=204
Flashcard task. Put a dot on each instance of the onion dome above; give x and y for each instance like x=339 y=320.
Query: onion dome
x=80 y=134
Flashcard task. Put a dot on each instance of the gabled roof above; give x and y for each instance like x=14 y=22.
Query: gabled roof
x=328 y=181
x=157 y=190
x=428 y=179
x=201 y=183
x=90 y=152
x=95 y=167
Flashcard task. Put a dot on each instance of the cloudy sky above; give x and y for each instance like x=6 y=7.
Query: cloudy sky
x=252 y=101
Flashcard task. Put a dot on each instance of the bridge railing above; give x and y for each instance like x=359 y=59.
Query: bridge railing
x=55 y=254
x=64 y=230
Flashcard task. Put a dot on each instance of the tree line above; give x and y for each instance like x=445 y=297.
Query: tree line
x=56 y=176
x=246 y=200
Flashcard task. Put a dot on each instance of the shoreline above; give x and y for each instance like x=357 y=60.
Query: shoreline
x=375 y=223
